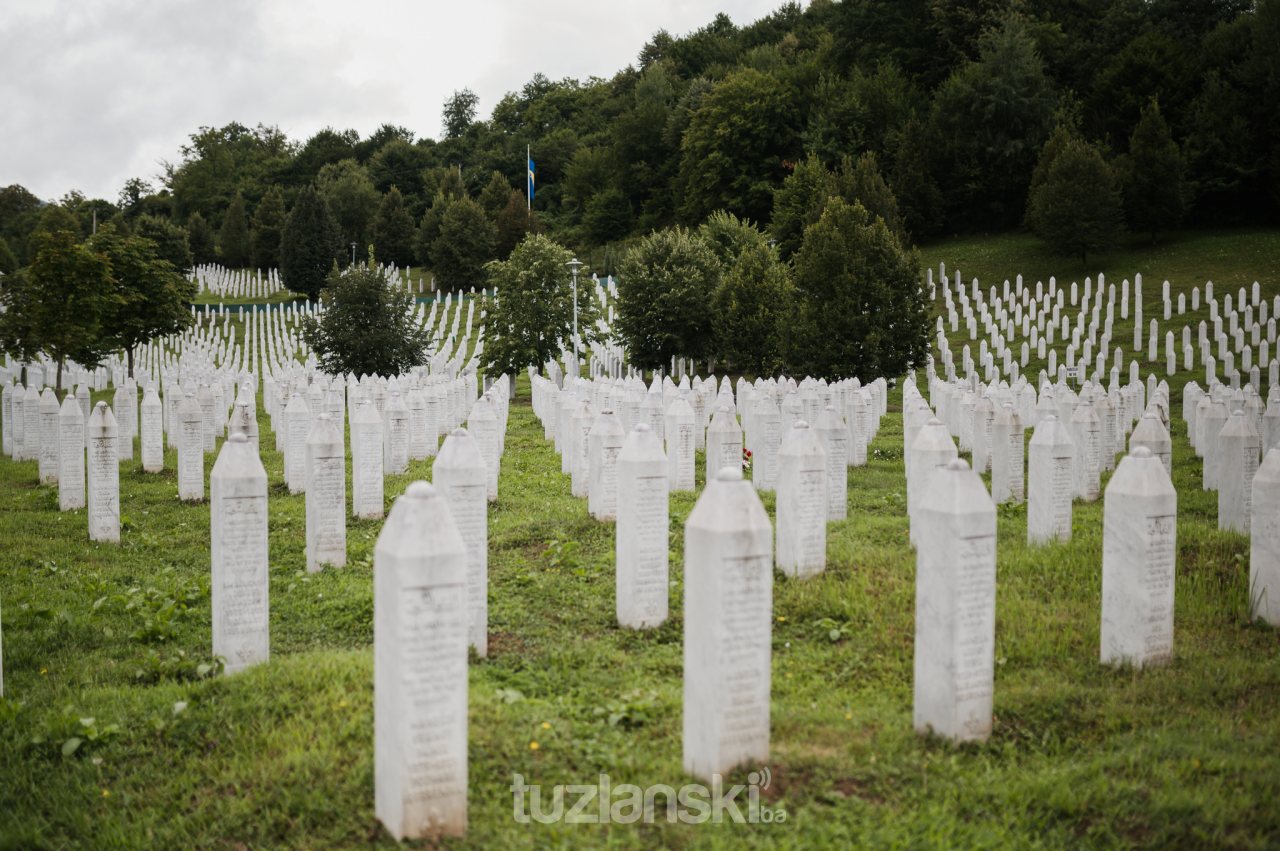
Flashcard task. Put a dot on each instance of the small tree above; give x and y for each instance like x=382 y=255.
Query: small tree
x=8 y=261
x=428 y=232
x=459 y=112
x=367 y=325
x=665 y=283
x=268 y=227
x=150 y=296
x=464 y=245
x=798 y=203
x=514 y=223
x=309 y=245
x=233 y=240
x=750 y=305
x=494 y=195
x=171 y=240
x=860 y=309
x=532 y=319
x=1155 y=186
x=728 y=236
x=352 y=200
x=200 y=238
x=860 y=182
x=393 y=230
x=1076 y=206
x=57 y=304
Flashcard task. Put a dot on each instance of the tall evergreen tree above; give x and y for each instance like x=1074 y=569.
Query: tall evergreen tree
x=798 y=203
x=1155 y=186
x=233 y=240
x=1076 y=205
x=201 y=240
x=393 y=230
x=268 y=227
x=514 y=222
x=860 y=181
x=465 y=244
x=309 y=245
x=172 y=242
x=860 y=308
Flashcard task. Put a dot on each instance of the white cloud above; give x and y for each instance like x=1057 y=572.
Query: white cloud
x=95 y=93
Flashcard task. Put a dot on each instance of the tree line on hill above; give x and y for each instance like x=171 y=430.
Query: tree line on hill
x=955 y=101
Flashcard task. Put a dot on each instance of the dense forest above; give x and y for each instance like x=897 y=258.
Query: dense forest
x=955 y=100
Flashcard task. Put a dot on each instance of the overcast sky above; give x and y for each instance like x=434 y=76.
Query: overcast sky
x=93 y=92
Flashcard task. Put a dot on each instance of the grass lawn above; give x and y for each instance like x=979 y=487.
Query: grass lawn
x=102 y=643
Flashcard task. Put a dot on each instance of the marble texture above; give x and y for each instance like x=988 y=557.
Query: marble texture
x=642 y=534
x=461 y=475
x=1264 y=543
x=238 y=535
x=802 y=503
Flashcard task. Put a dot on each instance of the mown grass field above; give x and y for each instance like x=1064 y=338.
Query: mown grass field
x=101 y=643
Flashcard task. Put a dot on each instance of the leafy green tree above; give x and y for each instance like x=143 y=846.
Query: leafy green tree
x=309 y=245
x=861 y=182
x=608 y=216
x=424 y=246
x=220 y=161
x=459 y=113
x=393 y=230
x=151 y=296
x=514 y=222
x=665 y=285
x=465 y=244
x=919 y=198
x=494 y=195
x=859 y=309
x=989 y=119
x=172 y=241
x=531 y=320
x=749 y=308
x=201 y=241
x=19 y=212
x=233 y=241
x=732 y=156
x=1076 y=207
x=8 y=260
x=367 y=325
x=399 y=163
x=268 y=227
x=729 y=236
x=798 y=203
x=53 y=218
x=347 y=190
x=325 y=147
x=1155 y=188
x=57 y=304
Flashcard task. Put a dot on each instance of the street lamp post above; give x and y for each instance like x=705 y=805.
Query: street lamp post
x=353 y=254
x=575 y=264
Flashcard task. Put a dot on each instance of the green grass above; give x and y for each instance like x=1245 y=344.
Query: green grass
x=1232 y=259
x=281 y=756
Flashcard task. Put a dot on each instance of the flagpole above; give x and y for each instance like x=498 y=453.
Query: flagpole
x=528 y=195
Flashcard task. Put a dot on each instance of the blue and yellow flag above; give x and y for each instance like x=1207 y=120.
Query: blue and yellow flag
x=531 y=181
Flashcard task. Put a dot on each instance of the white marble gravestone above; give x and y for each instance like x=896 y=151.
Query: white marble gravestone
x=366 y=462
x=190 y=450
x=1085 y=434
x=395 y=453
x=297 y=423
x=932 y=449
x=1139 y=546
x=724 y=442
x=420 y=669
x=326 y=495
x=1264 y=549
x=679 y=429
x=766 y=441
x=1239 y=451
x=238 y=532
x=482 y=423
x=955 y=607
x=1050 y=482
x=50 y=438
x=103 y=476
x=461 y=475
x=802 y=503
x=834 y=435
x=642 y=530
x=1007 y=457
x=605 y=441
x=71 y=455
x=1151 y=433
x=151 y=426
x=728 y=621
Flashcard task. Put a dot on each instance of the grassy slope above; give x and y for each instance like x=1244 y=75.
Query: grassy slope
x=281 y=756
